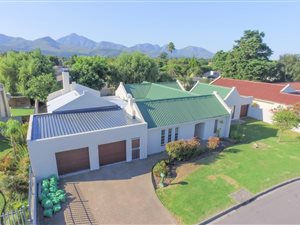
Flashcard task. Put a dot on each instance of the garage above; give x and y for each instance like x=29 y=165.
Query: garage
x=244 y=111
x=72 y=161
x=112 y=152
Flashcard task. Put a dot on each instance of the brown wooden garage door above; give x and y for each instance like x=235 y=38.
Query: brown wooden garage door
x=112 y=152
x=72 y=160
x=244 y=111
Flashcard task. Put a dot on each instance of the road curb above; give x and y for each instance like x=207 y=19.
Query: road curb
x=235 y=207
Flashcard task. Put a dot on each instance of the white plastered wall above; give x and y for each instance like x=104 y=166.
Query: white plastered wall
x=234 y=99
x=186 y=131
x=42 y=152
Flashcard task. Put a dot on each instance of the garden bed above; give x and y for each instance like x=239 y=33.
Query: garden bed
x=172 y=167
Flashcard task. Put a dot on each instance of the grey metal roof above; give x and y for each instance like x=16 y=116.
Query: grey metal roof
x=55 y=125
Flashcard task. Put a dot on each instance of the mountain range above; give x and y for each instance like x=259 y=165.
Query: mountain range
x=80 y=45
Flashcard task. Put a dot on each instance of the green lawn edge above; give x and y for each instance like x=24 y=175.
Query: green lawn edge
x=243 y=166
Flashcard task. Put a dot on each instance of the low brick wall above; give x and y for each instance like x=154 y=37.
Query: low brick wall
x=19 y=102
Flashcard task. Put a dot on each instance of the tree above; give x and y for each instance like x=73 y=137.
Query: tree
x=284 y=119
x=136 y=68
x=40 y=87
x=9 y=70
x=248 y=59
x=12 y=130
x=91 y=71
x=171 y=47
x=290 y=66
x=163 y=55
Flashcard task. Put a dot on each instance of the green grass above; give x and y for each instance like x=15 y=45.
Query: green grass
x=21 y=111
x=207 y=190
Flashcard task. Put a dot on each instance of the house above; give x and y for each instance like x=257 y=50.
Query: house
x=83 y=131
x=212 y=74
x=238 y=104
x=266 y=96
x=4 y=107
x=173 y=114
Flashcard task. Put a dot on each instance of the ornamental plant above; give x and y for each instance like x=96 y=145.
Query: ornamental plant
x=213 y=143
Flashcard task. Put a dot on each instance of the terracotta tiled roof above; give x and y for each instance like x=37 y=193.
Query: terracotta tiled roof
x=295 y=85
x=260 y=90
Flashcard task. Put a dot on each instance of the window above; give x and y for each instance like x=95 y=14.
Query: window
x=233 y=112
x=162 y=137
x=176 y=134
x=170 y=135
x=216 y=126
x=135 y=145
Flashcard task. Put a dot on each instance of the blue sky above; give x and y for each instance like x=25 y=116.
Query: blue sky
x=213 y=26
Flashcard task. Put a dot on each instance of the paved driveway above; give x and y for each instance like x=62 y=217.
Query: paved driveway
x=117 y=194
x=279 y=207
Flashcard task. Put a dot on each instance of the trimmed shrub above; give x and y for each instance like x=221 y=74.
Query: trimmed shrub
x=160 y=167
x=183 y=149
x=237 y=133
x=213 y=143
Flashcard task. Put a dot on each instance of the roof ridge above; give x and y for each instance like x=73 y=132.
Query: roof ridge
x=178 y=90
x=222 y=87
x=252 y=81
x=175 y=98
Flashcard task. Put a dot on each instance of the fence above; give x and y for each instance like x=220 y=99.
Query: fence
x=26 y=215
x=32 y=198
x=16 y=217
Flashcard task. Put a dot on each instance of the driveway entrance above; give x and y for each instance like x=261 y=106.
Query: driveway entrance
x=116 y=194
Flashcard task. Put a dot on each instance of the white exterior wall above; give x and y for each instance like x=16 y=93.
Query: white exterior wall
x=186 y=131
x=261 y=110
x=42 y=152
x=235 y=100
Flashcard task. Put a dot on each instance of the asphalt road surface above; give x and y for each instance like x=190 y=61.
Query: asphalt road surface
x=281 y=206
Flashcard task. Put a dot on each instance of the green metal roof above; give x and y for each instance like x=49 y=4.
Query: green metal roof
x=164 y=112
x=151 y=91
x=172 y=84
x=204 y=89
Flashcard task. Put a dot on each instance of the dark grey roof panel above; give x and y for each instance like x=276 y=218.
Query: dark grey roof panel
x=55 y=125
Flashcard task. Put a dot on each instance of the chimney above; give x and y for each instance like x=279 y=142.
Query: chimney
x=66 y=81
x=130 y=103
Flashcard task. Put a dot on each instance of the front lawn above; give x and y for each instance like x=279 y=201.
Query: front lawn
x=255 y=166
x=21 y=112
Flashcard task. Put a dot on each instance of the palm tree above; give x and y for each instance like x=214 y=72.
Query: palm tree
x=12 y=130
x=171 y=47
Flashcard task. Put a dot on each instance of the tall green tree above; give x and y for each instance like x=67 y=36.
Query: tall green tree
x=248 y=59
x=137 y=67
x=40 y=87
x=171 y=47
x=91 y=71
x=290 y=66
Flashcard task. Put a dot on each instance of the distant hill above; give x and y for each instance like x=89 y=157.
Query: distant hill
x=80 y=45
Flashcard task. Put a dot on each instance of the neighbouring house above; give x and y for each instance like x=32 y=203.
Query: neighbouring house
x=211 y=74
x=266 y=96
x=4 y=107
x=83 y=131
x=238 y=104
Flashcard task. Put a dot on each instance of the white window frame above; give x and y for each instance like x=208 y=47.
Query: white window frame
x=162 y=137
